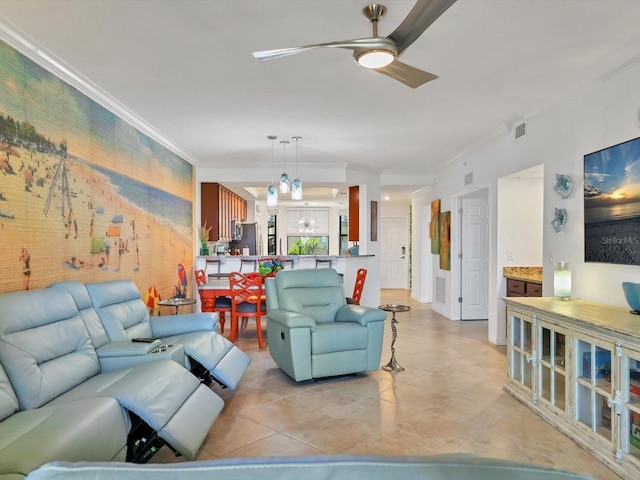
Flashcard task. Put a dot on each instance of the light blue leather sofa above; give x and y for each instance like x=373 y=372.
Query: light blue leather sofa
x=115 y=314
x=57 y=404
x=444 y=467
x=312 y=331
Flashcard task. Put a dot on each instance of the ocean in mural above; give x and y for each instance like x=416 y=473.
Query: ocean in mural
x=83 y=194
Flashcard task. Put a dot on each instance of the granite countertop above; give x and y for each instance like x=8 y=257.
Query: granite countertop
x=526 y=274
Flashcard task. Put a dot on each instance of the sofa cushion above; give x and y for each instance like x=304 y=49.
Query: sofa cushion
x=8 y=400
x=339 y=337
x=316 y=292
x=89 y=430
x=80 y=295
x=122 y=311
x=44 y=345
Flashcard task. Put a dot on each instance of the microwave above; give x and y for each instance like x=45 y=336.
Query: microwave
x=236 y=230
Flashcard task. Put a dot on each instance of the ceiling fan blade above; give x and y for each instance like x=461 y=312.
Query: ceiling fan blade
x=410 y=76
x=356 y=44
x=423 y=14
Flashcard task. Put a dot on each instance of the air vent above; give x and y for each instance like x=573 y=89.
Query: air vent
x=520 y=130
x=468 y=178
x=441 y=290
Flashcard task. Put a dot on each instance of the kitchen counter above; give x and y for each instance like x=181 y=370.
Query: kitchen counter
x=525 y=274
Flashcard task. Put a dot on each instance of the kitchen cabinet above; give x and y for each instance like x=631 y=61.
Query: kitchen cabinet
x=218 y=207
x=521 y=288
x=577 y=365
x=354 y=214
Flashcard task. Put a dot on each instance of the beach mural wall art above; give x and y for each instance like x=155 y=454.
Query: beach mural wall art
x=83 y=194
x=612 y=204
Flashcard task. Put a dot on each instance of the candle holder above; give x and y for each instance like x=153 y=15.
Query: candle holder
x=562 y=280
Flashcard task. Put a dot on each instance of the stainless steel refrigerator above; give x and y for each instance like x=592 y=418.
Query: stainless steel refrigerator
x=249 y=239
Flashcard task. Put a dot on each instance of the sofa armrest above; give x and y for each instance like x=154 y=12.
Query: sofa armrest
x=291 y=319
x=361 y=314
x=126 y=348
x=168 y=325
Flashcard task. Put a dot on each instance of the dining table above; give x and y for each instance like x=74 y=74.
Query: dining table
x=220 y=287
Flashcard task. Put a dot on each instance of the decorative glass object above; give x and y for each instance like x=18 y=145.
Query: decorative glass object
x=272 y=196
x=296 y=189
x=562 y=280
x=563 y=185
x=559 y=219
x=285 y=183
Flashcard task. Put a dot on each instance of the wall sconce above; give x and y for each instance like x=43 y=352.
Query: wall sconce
x=562 y=280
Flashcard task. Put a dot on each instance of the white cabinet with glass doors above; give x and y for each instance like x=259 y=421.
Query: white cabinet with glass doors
x=577 y=364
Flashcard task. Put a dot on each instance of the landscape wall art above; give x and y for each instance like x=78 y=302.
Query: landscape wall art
x=83 y=194
x=612 y=204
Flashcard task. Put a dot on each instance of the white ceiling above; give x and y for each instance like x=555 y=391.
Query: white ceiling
x=185 y=68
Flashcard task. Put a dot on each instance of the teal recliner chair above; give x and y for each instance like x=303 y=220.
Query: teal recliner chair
x=312 y=331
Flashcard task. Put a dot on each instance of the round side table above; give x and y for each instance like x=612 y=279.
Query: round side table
x=177 y=302
x=393 y=366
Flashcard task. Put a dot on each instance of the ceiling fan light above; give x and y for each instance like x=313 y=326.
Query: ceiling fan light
x=375 y=58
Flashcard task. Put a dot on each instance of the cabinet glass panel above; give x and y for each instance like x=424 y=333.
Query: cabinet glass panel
x=631 y=398
x=552 y=366
x=594 y=389
x=521 y=350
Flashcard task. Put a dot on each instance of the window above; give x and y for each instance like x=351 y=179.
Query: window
x=344 y=234
x=307 y=245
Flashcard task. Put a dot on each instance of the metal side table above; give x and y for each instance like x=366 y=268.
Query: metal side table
x=392 y=365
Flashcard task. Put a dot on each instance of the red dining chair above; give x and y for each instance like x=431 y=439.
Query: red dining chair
x=247 y=300
x=210 y=302
x=361 y=275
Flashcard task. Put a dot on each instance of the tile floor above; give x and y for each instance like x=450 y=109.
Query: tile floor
x=449 y=399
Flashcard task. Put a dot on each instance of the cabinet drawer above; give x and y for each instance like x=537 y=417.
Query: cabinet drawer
x=515 y=288
x=534 y=290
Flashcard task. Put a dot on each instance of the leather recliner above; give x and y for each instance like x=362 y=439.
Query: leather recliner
x=124 y=316
x=312 y=331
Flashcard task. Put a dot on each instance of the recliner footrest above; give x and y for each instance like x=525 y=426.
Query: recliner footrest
x=231 y=367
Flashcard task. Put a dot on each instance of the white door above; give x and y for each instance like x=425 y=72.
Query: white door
x=474 y=264
x=394 y=253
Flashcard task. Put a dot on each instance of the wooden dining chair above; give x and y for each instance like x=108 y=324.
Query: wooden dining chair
x=247 y=300
x=361 y=276
x=210 y=302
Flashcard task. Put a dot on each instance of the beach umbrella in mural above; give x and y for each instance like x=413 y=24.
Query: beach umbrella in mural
x=151 y=298
x=182 y=275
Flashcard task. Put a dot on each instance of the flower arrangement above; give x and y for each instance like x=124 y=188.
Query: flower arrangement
x=269 y=267
x=204 y=239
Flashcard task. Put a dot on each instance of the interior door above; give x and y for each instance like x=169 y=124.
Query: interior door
x=474 y=264
x=394 y=253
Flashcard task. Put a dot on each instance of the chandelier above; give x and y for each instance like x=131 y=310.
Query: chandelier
x=306 y=225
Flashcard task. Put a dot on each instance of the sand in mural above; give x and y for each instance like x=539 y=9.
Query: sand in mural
x=83 y=194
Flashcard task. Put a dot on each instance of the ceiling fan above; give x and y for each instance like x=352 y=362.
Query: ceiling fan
x=380 y=53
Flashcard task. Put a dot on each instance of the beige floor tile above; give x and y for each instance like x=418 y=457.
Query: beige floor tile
x=448 y=400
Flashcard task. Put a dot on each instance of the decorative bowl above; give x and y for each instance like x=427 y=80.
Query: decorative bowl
x=632 y=294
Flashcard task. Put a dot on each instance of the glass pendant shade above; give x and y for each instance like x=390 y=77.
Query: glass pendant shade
x=285 y=183
x=296 y=189
x=272 y=196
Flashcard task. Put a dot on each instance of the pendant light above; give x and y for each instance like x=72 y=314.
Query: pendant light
x=272 y=191
x=285 y=183
x=296 y=185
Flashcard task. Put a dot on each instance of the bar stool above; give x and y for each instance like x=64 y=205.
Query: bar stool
x=215 y=261
x=251 y=261
x=290 y=260
x=324 y=262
